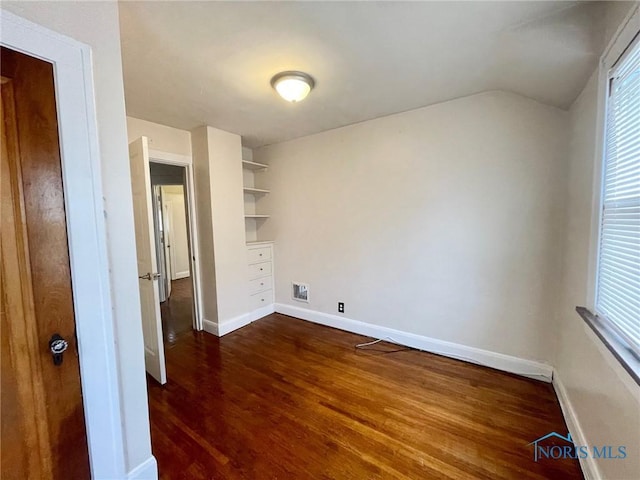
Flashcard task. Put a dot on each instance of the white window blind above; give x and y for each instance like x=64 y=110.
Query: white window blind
x=618 y=288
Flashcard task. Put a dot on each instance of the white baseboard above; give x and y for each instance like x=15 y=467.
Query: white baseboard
x=228 y=326
x=499 y=361
x=589 y=466
x=179 y=275
x=147 y=470
x=261 y=312
x=210 y=327
x=235 y=323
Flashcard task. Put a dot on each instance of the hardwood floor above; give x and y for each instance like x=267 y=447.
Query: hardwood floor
x=177 y=311
x=286 y=399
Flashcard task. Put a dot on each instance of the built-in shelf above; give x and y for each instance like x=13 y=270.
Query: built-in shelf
x=259 y=242
x=253 y=165
x=255 y=191
x=253 y=176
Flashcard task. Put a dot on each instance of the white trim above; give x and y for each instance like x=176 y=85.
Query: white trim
x=259 y=243
x=221 y=329
x=261 y=312
x=169 y=158
x=622 y=44
x=233 y=324
x=626 y=32
x=180 y=275
x=147 y=470
x=186 y=161
x=597 y=186
x=210 y=326
x=624 y=35
x=499 y=361
x=87 y=236
x=589 y=466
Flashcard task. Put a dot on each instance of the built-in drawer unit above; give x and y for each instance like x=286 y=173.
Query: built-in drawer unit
x=259 y=285
x=260 y=269
x=259 y=254
x=260 y=300
x=260 y=274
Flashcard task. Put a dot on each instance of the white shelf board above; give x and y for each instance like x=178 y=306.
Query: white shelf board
x=254 y=215
x=259 y=242
x=256 y=191
x=253 y=165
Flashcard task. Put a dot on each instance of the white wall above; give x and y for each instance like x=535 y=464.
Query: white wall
x=217 y=160
x=227 y=206
x=174 y=196
x=441 y=221
x=96 y=24
x=161 y=137
x=602 y=394
x=202 y=191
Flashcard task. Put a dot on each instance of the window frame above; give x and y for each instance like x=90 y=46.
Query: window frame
x=625 y=36
x=634 y=44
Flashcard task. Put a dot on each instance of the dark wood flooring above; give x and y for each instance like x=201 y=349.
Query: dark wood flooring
x=286 y=399
x=177 y=311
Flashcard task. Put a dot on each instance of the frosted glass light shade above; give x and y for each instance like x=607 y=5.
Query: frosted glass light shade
x=292 y=86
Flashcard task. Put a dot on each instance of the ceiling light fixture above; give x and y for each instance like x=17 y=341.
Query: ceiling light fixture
x=292 y=86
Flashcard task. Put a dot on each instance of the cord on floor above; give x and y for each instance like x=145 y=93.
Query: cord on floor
x=362 y=345
x=455 y=357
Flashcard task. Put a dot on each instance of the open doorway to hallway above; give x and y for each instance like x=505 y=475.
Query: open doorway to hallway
x=150 y=170
x=171 y=229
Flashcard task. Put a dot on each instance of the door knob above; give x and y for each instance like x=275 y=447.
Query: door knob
x=58 y=346
x=150 y=276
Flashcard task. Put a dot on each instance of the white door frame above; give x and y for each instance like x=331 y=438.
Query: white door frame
x=167 y=219
x=186 y=161
x=79 y=151
x=158 y=218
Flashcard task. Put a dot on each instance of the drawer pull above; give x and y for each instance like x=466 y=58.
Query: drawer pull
x=261 y=283
x=260 y=254
x=261 y=269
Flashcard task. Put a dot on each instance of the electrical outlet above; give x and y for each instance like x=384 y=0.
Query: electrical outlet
x=340 y=307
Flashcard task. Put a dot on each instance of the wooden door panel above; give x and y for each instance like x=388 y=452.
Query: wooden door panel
x=38 y=176
x=20 y=424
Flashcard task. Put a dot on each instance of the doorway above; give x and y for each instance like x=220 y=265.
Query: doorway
x=114 y=406
x=43 y=422
x=153 y=249
x=173 y=252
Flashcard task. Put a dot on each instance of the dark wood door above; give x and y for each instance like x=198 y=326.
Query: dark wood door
x=43 y=428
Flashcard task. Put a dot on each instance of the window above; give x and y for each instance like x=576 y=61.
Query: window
x=618 y=285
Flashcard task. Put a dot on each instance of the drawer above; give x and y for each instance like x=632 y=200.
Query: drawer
x=259 y=284
x=259 y=270
x=260 y=299
x=259 y=254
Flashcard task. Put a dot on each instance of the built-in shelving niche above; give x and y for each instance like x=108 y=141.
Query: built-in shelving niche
x=254 y=191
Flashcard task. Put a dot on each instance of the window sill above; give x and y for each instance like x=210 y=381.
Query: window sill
x=616 y=346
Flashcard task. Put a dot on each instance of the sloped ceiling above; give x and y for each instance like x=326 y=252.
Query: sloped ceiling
x=193 y=63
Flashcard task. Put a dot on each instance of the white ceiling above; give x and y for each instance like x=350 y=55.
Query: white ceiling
x=192 y=63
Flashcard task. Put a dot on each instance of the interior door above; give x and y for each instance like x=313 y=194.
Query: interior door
x=167 y=218
x=164 y=285
x=148 y=276
x=43 y=431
